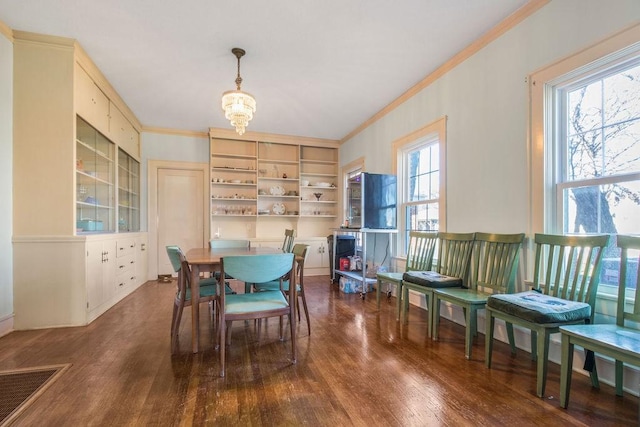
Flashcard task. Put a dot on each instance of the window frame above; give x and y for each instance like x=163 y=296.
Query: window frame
x=434 y=132
x=544 y=171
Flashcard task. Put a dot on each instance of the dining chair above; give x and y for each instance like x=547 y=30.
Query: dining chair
x=258 y=305
x=494 y=264
x=420 y=252
x=287 y=244
x=230 y=243
x=300 y=253
x=183 y=294
x=454 y=254
x=565 y=282
x=620 y=341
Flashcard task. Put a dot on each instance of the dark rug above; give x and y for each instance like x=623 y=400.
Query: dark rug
x=20 y=387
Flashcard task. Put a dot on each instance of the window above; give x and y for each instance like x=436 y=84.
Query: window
x=598 y=158
x=420 y=170
x=586 y=146
x=421 y=173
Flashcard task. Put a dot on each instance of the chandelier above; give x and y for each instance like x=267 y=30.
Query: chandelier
x=238 y=106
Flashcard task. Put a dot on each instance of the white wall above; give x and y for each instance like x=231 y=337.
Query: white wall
x=486 y=101
x=179 y=148
x=6 y=184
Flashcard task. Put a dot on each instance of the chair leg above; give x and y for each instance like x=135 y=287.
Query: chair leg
x=431 y=306
x=434 y=311
x=176 y=327
x=619 y=369
x=543 y=355
x=534 y=346
x=469 y=333
x=488 y=338
x=281 y=325
x=405 y=305
x=511 y=337
x=566 y=369
x=222 y=337
x=306 y=311
x=292 y=327
x=398 y=300
x=378 y=287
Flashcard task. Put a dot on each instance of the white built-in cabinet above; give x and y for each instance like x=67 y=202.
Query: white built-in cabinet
x=262 y=184
x=76 y=183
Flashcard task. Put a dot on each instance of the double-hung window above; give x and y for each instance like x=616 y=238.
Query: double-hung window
x=420 y=164
x=594 y=162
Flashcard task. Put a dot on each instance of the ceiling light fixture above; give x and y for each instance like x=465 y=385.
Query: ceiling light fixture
x=238 y=106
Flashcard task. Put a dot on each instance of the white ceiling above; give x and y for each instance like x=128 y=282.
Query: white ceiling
x=316 y=68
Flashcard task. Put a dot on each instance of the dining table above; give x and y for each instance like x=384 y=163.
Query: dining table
x=207 y=260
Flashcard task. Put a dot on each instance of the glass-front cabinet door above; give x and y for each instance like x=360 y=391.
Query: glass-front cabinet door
x=95 y=179
x=128 y=193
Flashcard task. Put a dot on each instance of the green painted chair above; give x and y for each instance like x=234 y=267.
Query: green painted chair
x=300 y=252
x=494 y=264
x=565 y=282
x=257 y=305
x=620 y=341
x=454 y=254
x=420 y=252
x=287 y=244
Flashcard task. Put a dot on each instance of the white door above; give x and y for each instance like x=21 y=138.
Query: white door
x=180 y=213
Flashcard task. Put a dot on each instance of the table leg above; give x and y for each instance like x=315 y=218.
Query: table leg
x=195 y=307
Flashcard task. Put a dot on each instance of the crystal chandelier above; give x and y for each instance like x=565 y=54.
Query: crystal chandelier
x=238 y=106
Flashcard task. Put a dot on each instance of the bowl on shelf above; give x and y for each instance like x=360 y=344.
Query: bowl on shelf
x=322 y=184
x=304 y=182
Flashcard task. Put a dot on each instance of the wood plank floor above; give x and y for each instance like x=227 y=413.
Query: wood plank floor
x=359 y=367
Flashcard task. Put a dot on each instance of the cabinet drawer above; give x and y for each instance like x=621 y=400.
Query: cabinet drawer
x=125 y=263
x=125 y=247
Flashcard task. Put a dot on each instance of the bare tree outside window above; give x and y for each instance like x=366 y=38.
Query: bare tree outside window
x=603 y=155
x=600 y=188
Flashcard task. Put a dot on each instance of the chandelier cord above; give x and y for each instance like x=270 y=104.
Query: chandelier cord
x=238 y=79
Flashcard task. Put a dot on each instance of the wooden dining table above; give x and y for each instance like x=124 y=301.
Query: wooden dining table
x=203 y=260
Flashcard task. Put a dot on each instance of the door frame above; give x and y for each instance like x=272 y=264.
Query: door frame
x=154 y=166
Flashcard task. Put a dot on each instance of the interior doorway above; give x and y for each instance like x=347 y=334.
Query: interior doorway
x=178 y=210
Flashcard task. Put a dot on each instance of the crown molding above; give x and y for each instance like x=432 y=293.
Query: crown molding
x=6 y=31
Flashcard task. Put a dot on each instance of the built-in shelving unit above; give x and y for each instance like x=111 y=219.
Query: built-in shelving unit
x=261 y=186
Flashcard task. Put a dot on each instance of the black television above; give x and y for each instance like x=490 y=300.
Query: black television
x=372 y=201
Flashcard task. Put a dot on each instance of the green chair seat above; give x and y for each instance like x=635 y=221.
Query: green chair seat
x=257 y=301
x=540 y=308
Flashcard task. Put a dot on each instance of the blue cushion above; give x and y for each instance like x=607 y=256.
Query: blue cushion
x=257 y=301
x=540 y=308
x=431 y=279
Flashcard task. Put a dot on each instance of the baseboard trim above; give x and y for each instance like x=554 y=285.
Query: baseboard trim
x=6 y=325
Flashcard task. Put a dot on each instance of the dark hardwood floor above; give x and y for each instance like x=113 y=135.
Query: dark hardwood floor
x=358 y=367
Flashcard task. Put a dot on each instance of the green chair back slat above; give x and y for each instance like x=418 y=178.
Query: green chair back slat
x=572 y=267
x=421 y=249
x=494 y=262
x=627 y=244
x=287 y=244
x=454 y=253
